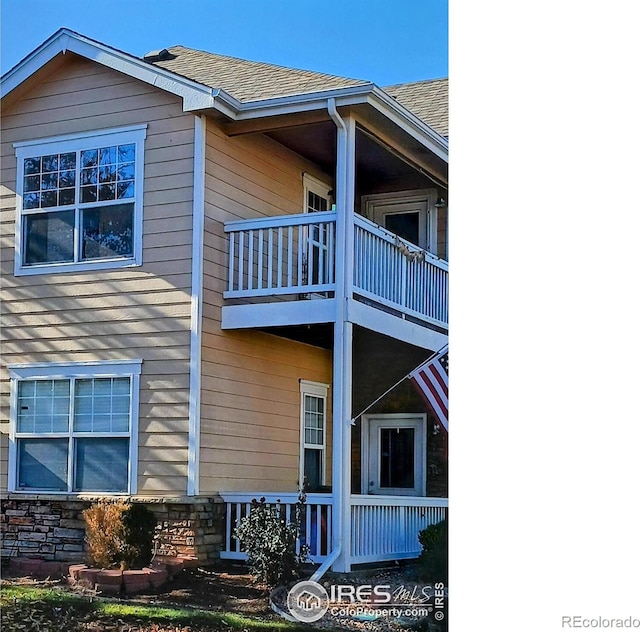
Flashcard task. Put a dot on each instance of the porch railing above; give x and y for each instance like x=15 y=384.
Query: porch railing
x=315 y=524
x=383 y=528
x=295 y=255
x=386 y=527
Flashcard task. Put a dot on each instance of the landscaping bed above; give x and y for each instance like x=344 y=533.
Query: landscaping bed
x=194 y=600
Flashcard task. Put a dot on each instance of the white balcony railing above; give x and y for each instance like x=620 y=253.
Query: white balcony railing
x=395 y=273
x=383 y=528
x=295 y=255
x=289 y=254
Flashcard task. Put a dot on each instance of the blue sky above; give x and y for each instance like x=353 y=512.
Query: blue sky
x=382 y=41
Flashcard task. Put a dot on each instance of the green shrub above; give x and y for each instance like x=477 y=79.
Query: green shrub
x=433 y=561
x=119 y=534
x=139 y=524
x=270 y=541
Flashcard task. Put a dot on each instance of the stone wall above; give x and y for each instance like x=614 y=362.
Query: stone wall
x=50 y=528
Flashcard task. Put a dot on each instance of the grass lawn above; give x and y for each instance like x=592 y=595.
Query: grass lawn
x=49 y=609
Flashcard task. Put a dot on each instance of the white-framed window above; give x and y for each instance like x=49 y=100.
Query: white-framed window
x=313 y=434
x=317 y=194
x=79 y=201
x=74 y=427
x=317 y=258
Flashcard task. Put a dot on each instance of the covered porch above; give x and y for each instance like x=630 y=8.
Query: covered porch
x=396 y=483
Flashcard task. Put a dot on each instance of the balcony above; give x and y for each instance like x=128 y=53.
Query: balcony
x=287 y=265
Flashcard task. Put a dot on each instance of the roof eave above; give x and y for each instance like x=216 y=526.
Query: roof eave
x=199 y=97
x=368 y=94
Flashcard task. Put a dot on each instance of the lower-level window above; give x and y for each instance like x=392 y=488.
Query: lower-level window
x=313 y=434
x=74 y=427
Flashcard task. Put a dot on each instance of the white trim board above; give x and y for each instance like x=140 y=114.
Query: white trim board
x=197 y=276
x=395 y=327
x=279 y=314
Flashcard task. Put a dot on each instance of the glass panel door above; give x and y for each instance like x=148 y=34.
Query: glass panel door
x=394 y=455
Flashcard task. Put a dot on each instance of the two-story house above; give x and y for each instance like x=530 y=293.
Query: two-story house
x=210 y=268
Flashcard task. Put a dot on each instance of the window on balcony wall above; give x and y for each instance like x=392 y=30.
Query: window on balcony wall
x=313 y=405
x=317 y=199
x=317 y=194
x=74 y=427
x=412 y=215
x=79 y=203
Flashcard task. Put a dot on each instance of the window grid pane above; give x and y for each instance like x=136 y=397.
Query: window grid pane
x=49 y=180
x=102 y=405
x=43 y=406
x=313 y=420
x=108 y=173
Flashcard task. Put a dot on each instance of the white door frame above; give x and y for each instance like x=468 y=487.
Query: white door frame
x=371 y=425
x=378 y=205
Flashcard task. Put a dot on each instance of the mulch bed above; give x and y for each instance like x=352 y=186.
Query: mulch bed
x=230 y=589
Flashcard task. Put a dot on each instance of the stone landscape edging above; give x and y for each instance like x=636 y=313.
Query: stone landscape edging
x=102 y=580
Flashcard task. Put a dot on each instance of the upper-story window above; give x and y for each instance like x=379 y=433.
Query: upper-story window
x=317 y=195
x=80 y=201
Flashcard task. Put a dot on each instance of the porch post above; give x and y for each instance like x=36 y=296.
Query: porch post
x=343 y=337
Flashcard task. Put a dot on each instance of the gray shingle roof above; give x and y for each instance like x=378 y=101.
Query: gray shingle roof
x=249 y=80
x=428 y=100
x=254 y=81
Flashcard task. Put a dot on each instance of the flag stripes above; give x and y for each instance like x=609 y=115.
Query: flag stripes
x=432 y=382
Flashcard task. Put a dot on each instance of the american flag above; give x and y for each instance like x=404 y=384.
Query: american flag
x=432 y=380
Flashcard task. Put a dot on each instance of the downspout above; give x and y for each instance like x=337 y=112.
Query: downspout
x=343 y=338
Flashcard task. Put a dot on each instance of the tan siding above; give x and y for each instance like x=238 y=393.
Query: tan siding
x=250 y=415
x=140 y=312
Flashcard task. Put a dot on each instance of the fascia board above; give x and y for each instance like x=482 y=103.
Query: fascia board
x=301 y=102
x=195 y=95
x=409 y=122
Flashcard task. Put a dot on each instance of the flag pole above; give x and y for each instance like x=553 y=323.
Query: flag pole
x=370 y=406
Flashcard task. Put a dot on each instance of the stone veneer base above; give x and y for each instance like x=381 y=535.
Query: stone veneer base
x=52 y=528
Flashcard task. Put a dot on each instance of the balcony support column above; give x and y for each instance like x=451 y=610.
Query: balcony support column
x=343 y=337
